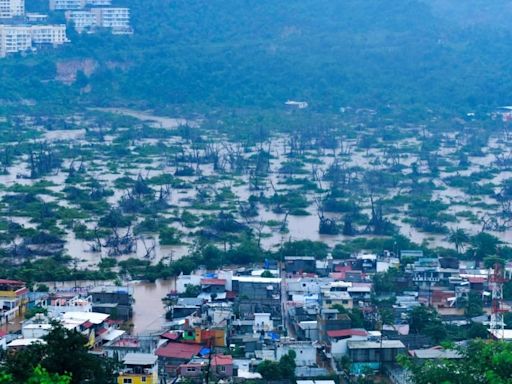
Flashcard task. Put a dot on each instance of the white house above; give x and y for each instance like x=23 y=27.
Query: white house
x=262 y=322
x=305 y=352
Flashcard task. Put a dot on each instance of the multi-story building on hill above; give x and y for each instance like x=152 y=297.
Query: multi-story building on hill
x=11 y=8
x=22 y=38
x=64 y=5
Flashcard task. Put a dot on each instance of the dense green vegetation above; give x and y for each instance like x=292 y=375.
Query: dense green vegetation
x=481 y=362
x=63 y=359
x=416 y=54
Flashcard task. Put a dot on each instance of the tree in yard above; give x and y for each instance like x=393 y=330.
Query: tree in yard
x=38 y=376
x=357 y=318
x=191 y=290
x=386 y=315
x=436 y=330
x=477 y=331
x=484 y=245
x=425 y=320
x=491 y=261
x=282 y=370
x=355 y=314
x=474 y=305
x=481 y=362
x=269 y=370
x=458 y=238
x=267 y=273
x=385 y=282
x=65 y=353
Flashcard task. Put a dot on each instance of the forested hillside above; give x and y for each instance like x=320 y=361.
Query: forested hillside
x=239 y=53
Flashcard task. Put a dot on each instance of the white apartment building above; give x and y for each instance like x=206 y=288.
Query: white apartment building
x=82 y=20
x=118 y=19
x=64 y=5
x=14 y=38
x=49 y=34
x=11 y=8
x=98 y=3
x=36 y=17
x=21 y=38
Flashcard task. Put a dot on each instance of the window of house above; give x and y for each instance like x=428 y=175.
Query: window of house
x=143 y=379
x=191 y=369
x=127 y=381
x=222 y=368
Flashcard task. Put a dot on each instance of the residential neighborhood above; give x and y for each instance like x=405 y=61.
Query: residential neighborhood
x=335 y=318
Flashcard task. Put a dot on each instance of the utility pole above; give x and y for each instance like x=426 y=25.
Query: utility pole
x=496 y=281
x=208 y=367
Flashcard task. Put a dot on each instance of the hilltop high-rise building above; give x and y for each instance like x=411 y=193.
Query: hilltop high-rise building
x=22 y=38
x=63 y=5
x=11 y=8
x=69 y=5
x=115 y=19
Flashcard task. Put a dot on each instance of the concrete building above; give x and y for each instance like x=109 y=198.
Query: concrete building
x=172 y=355
x=305 y=352
x=299 y=264
x=36 y=328
x=82 y=20
x=36 y=17
x=13 y=295
x=11 y=8
x=22 y=38
x=64 y=5
x=212 y=286
x=221 y=368
x=339 y=340
x=97 y=3
x=262 y=323
x=183 y=280
x=14 y=39
x=49 y=34
x=112 y=300
x=61 y=302
x=257 y=295
x=306 y=285
x=331 y=320
x=122 y=346
x=371 y=354
x=117 y=19
x=332 y=298
x=257 y=288
x=139 y=368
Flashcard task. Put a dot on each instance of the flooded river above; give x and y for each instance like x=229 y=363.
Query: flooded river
x=148 y=309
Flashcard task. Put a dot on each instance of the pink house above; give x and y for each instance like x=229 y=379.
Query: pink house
x=221 y=366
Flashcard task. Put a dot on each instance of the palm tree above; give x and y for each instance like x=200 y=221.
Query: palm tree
x=458 y=237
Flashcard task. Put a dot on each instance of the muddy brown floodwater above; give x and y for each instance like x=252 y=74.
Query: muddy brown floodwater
x=148 y=310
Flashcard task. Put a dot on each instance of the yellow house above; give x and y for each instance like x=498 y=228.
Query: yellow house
x=210 y=337
x=139 y=368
